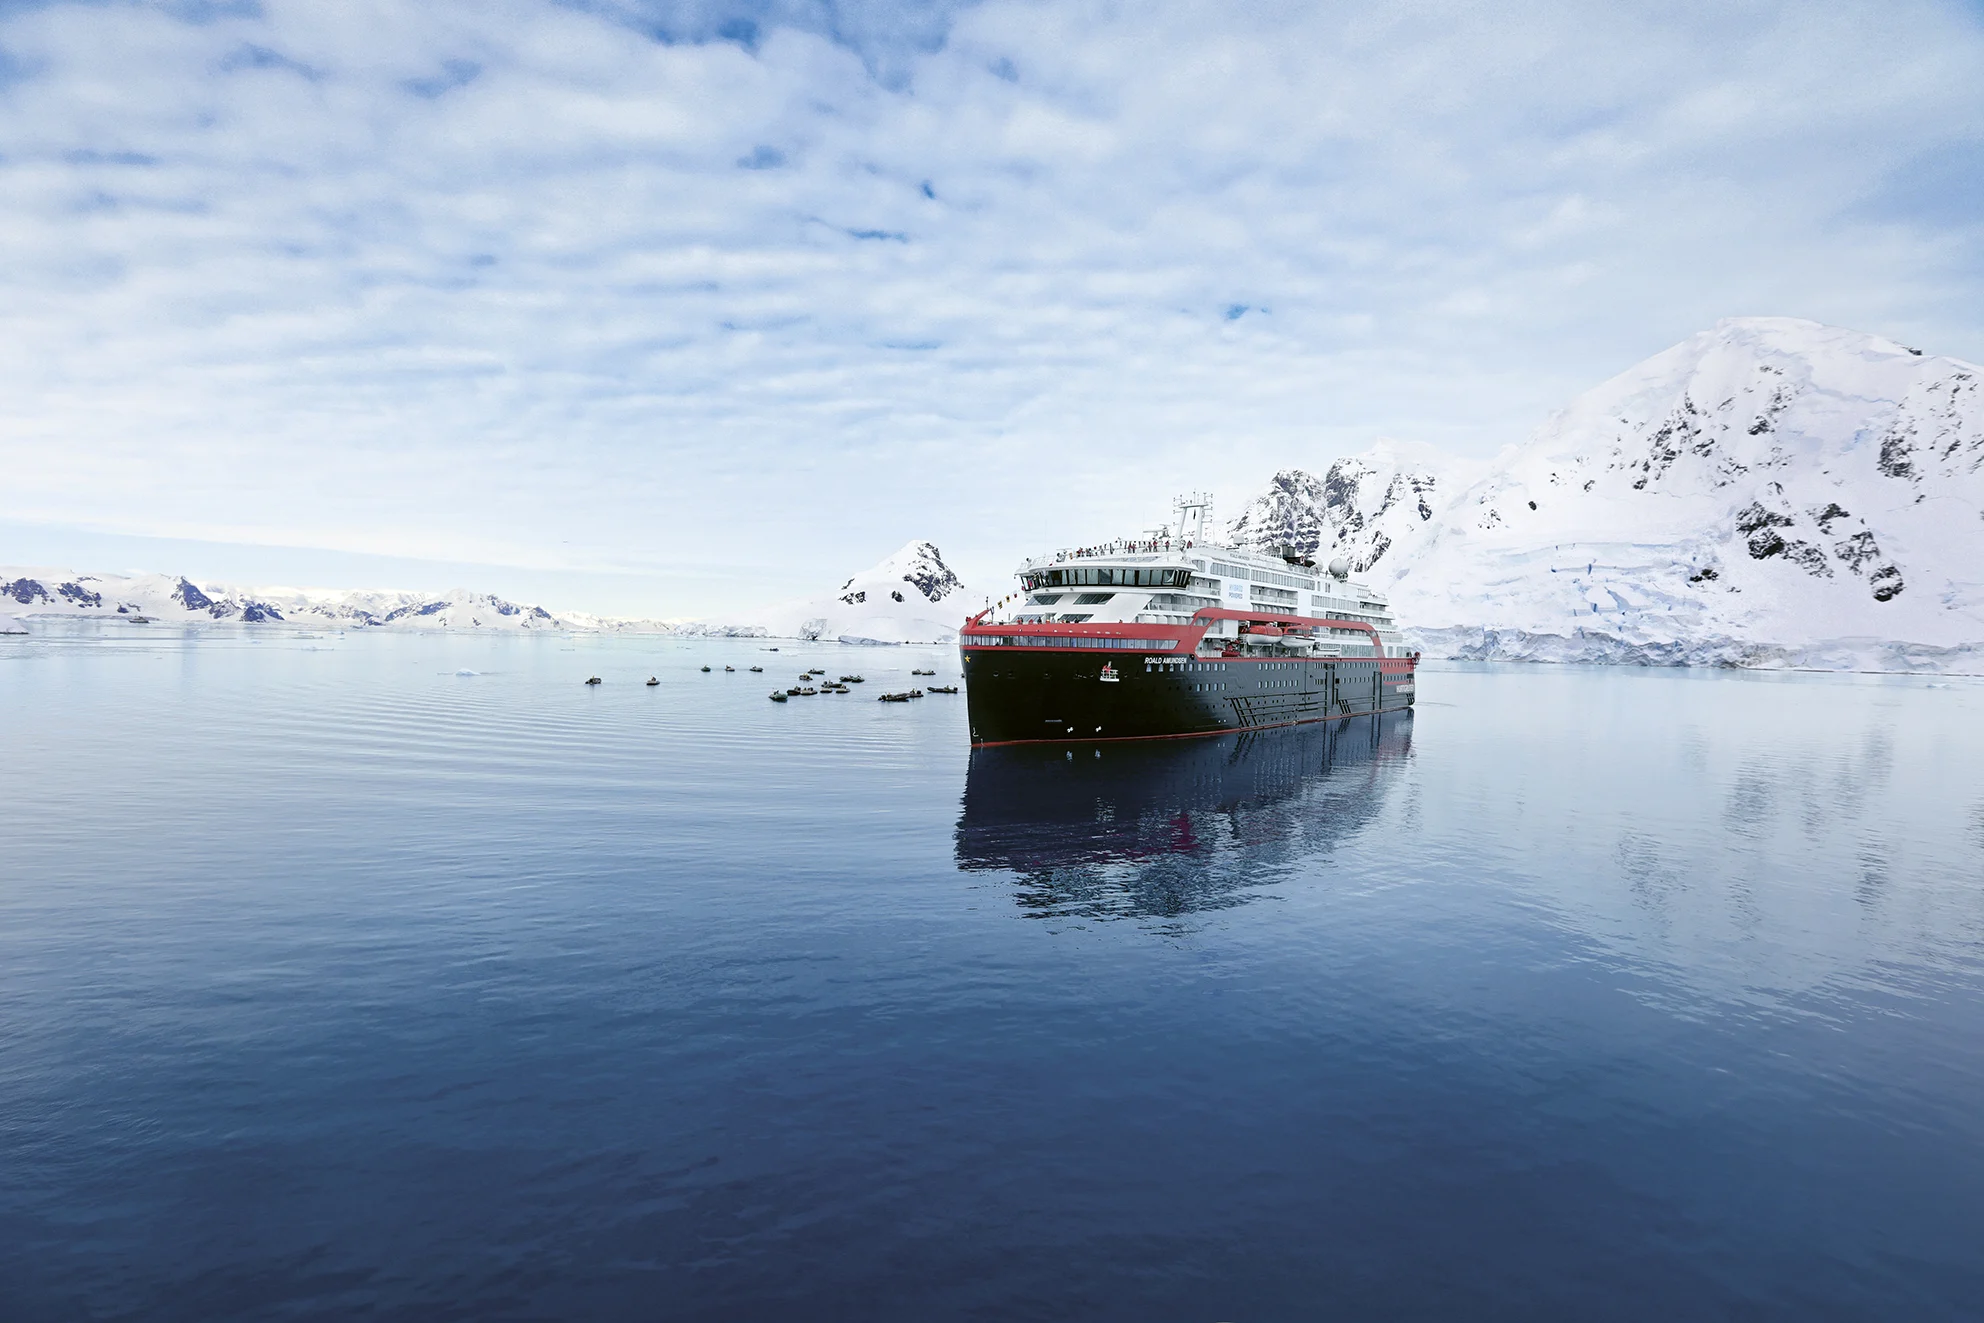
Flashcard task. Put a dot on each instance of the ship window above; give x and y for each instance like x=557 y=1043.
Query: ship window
x=1092 y=599
x=1106 y=576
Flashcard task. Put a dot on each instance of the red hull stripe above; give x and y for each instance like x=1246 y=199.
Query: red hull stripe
x=1392 y=665
x=1183 y=638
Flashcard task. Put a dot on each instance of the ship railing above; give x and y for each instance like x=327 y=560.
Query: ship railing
x=1119 y=547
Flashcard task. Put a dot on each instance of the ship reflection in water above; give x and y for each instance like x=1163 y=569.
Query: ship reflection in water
x=1165 y=828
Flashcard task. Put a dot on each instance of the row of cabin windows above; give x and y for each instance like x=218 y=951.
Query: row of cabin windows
x=1179 y=602
x=1106 y=576
x=1066 y=641
x=1263 y=576
x=1279 y=601
x=1269 y=576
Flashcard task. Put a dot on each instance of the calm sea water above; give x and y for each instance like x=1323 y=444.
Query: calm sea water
x=338 y=982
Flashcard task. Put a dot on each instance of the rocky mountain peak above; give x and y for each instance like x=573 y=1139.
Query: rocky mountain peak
x=1359 y=508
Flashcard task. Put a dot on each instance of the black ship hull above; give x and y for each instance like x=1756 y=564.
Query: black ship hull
x=1023 y=695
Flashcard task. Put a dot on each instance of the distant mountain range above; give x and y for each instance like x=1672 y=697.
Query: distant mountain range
x=1768 y=492
x=166 y=598
x=911 y=596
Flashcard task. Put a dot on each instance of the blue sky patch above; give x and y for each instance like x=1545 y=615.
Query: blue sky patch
x=454 y=74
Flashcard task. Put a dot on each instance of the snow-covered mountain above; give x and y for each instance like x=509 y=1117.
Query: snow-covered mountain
x=1360 y=508
x=1770 y=491
x=911 y=597
x=47 y=592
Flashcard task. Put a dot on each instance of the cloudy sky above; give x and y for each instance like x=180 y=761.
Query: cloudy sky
x=646 y=306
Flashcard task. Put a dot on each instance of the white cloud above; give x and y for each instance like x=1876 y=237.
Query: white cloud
x=517 y=283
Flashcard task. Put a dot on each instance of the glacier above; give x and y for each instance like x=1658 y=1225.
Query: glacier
x=1769 y=492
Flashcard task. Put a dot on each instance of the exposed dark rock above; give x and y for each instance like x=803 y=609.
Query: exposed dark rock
x=1810 y=558
x=80 y=595
x=1780 y=400
x=25 y=591
x=897 y=595
x=1703 y=575
x=190 y=597
x=1753 y=517
x=417 y=609
x=931 y=577
x=854 y=599
x=1897 y=455
x=1886 y=583
x=1856 y=551
x=1765 y=543
x=254 y=612
x=1760 y=524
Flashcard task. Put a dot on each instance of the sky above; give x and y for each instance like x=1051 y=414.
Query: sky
x=658 y=308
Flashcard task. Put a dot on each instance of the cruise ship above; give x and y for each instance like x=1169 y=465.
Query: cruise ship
x=1171 y=635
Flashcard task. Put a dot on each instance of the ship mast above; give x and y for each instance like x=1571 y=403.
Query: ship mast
x=1193 y=512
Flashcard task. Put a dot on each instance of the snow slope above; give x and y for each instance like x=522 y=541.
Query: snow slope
x=1768 y=492
x=911 y=597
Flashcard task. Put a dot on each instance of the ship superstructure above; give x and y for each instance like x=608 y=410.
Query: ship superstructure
x=1171 y=634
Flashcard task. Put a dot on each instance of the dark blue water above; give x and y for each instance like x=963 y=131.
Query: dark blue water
x=335 y=984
